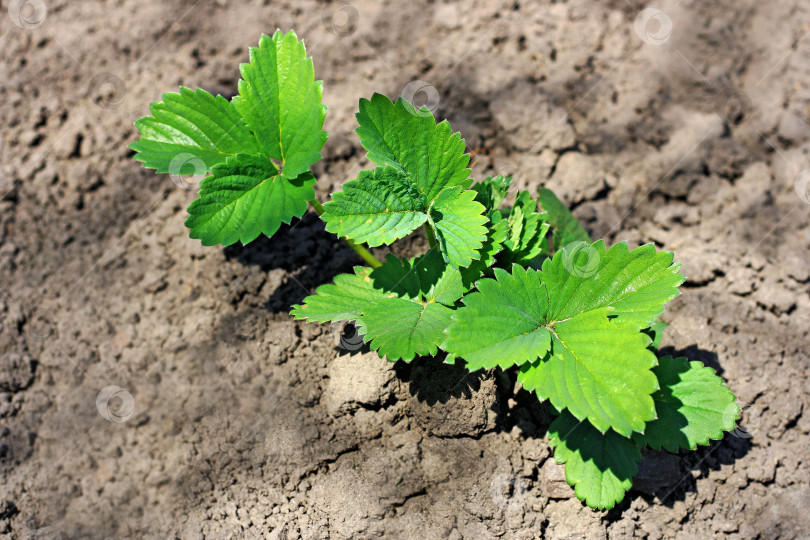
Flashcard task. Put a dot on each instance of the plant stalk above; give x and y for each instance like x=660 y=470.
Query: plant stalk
x=431 y=234
x=360 y=250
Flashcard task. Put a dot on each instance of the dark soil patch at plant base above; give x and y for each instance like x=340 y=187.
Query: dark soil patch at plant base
x=245 y=424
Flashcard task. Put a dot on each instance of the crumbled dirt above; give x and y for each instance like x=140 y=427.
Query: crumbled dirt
x=220 y=417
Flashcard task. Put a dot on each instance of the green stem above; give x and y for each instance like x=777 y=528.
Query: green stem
x=364 y=253
x=317 y=206
x=360 y=250
x=431 y=235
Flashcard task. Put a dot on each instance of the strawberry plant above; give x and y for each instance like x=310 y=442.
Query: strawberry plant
x=517 y=286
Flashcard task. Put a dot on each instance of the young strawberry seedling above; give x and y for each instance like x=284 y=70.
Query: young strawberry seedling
x=500 y=288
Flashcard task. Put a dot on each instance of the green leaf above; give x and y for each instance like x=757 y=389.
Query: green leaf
x=343 y=300
x=492 y=191
x=599 y=364
x=693 y=407
x=190 y=132
x=598 y=369
x=398 y=135
x=280 y=100
x=599 y=466
x=459 y=225
x=383 y=205
x=636 y=284
x=246 y=197
x=432 y=163
x=403 y=308
x=377 y=208
x=503 y=323
x=401 y=328
x=567 y=228
x=527 y=232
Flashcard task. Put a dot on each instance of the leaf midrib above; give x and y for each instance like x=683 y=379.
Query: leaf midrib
x=590 y=372
x=362 y=214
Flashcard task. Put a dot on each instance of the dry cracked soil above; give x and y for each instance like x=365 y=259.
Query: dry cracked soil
x=685 y=126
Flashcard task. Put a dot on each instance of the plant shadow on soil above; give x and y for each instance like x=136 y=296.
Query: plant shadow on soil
x=310 y=255
x=432 y=381
x=664 y=477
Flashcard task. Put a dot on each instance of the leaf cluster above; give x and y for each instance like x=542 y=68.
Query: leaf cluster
x=509 y=282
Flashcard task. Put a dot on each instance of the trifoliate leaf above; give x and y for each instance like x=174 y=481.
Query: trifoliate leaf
x=598 y=369
x=432 y=163
x=599 y=466
x=190 y=132
x=280 y=100
x=693 y=407
x=379 y=207
x=343 y=300
x=492 y=191
x=245 y=197
x=459 y=225
x=527 y=232
x=599 y=365
x=503 y=323
x=636 y=284
x=384 y=205
x=401 y=328
x=566 y=227
x=401 y=136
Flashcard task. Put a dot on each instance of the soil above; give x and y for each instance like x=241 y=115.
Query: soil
x=153 y=388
